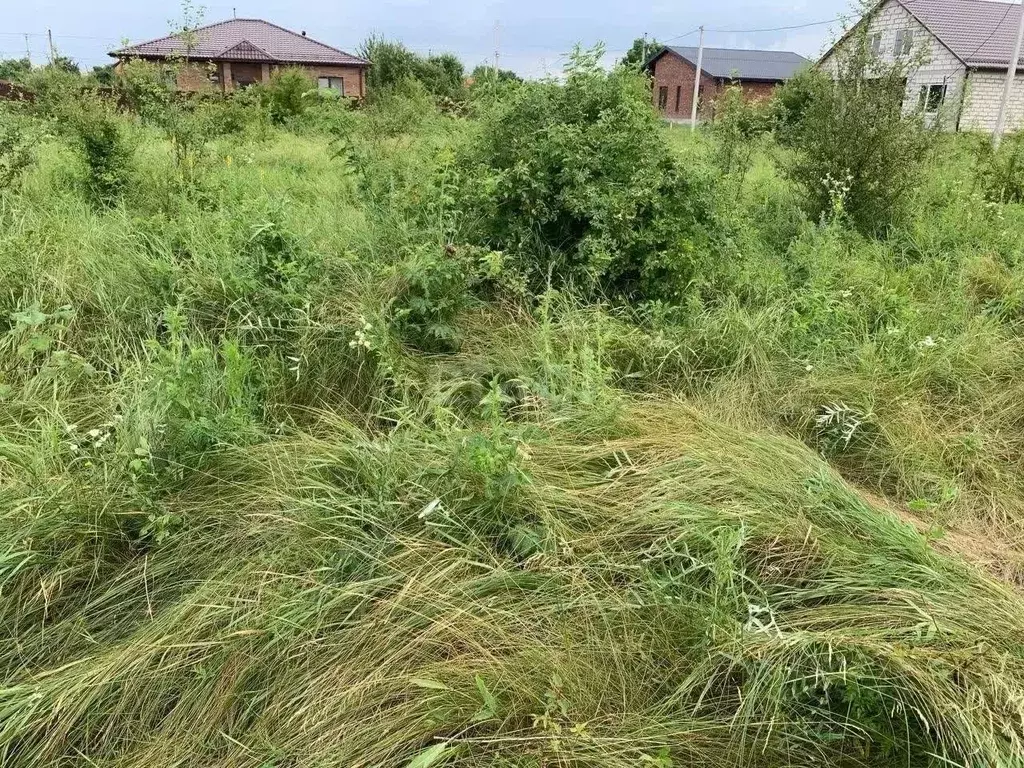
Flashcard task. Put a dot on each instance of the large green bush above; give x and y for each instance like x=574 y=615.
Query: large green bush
x=577 y=184
x=858 y=153
x=286 y=95
x=1001 y=171
x=442 y=75
x=99 y=132
x=15 y=151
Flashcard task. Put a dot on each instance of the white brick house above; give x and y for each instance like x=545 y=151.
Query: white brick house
x=959 y=52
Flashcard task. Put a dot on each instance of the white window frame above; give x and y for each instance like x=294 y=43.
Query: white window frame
x=331 y=82
x=925 y=98
x=875 y=43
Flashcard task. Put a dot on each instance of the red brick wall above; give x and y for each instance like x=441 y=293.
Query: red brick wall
x=758 y=91
x=195 y=76
x=354 y=78
x=677 y=75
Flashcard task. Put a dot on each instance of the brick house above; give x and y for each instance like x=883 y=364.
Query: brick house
x=958 y=53
x=674 y=69
x=239 y=52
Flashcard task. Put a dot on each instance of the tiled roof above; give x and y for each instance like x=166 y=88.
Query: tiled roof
x=980 y=32
x=744 y=64
x=246 y=40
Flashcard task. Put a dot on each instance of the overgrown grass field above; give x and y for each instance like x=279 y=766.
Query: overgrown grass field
x=528 y=433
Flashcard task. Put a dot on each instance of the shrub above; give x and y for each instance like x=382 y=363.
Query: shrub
x=143 y=87
x=1001 y=172
x=286 y=93
x=393 y=64
x=442 y=75
x=15 y=70
x=399 y=110
x=576 y=183
x=187 y=125
x=854 y=130
x=54 y=89
x=327 y=112
x=434 y=291
x=99 y=134
x=240 y=111
x=791 y=100
x=738 y=121
x=15 y=152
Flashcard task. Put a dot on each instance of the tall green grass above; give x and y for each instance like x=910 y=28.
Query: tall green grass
x=250 y=519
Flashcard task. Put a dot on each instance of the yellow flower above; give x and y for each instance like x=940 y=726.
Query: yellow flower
x=227 y=161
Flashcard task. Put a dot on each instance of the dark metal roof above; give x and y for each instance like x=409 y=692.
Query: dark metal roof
x=246 y=40
x=727 y=63
x=980 y=32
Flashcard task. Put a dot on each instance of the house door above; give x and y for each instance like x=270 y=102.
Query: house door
x=663 y=98
x=244 y=75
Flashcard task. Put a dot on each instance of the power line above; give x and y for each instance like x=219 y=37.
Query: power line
x=756 y=31
x=679 y=37
x=63 y=37
x=776 y=29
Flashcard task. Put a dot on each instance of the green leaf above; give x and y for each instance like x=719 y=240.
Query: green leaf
x=433 y=685
x=431 y=756
x=490 y=704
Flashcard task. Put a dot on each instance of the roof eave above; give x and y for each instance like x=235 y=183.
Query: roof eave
x=360 y=64
x=997 y=66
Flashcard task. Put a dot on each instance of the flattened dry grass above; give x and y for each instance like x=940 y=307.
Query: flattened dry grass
x=692 y=591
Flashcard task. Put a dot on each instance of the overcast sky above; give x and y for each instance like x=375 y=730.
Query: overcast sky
x=533 y=34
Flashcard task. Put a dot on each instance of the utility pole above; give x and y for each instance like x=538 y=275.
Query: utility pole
x=696 y=82
x=28 y=49
x=497 y=47
x=49 y=36
x=1011 y=80
x=643 y=58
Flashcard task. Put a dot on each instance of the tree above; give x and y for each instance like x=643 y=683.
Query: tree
x=485 y=73
x=65 y=64
x=859 y=153
x=635 y=55
x=392 y=64
x=105 y=75
x=15 y=70
x=443 y=75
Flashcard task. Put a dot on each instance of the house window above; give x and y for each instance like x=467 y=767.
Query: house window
x=875 y=44
x=932 y=97
x=679 y=95
x=663 y=97
x=904 y=42
x=331 y=83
